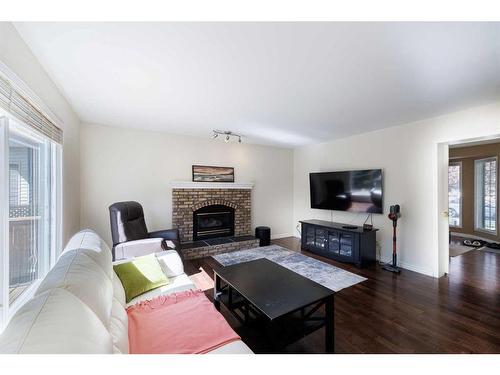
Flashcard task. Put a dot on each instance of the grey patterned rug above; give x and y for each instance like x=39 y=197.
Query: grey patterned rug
x=323 y=273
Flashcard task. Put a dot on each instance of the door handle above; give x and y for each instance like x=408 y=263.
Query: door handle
x=446 y=214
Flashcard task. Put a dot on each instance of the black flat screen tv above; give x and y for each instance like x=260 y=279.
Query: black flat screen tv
x=354 y=191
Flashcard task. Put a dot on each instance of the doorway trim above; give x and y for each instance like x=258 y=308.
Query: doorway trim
x=442 y=193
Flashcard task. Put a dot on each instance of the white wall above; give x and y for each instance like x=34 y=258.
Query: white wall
x=119 y=164
x=18 y=57
x=122 y=164
x=408 y=155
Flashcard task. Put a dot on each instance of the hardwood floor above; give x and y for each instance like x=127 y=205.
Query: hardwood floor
x=408 y=313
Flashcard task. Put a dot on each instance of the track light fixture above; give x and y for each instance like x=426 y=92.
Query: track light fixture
x=227 y=135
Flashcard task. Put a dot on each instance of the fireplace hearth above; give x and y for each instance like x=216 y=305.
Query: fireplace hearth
x=213 y=221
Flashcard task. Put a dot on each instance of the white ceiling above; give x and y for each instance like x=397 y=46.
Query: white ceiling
x=285 y=84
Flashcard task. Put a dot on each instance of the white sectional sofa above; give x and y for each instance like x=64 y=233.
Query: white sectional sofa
x=79 y=307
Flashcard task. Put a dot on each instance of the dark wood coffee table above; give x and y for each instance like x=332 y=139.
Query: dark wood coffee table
x=265 y=291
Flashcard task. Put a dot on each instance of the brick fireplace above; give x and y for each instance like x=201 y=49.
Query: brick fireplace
x=191 y=198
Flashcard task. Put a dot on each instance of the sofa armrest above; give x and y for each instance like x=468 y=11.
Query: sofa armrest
x=137 y=248
x=167 y=234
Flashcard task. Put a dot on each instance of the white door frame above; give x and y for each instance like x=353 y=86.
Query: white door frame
x=4 y=224
x=442 y=214
x=442 y=193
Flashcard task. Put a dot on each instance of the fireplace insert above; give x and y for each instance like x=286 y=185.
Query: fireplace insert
x=212 y=222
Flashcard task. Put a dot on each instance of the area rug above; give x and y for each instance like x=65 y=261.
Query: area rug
x=201 y=280
x=332 y=277
x=457 y=249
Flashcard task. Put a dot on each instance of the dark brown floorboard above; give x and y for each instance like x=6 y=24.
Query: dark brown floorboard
x=408 y=313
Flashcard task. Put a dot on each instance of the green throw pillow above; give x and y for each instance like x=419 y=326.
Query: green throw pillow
x=140 y=275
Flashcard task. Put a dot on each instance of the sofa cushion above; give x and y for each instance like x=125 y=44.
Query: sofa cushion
x=76 y=272
x=140 y=275
x=89 y=242
x=118 y=327
x=55 y=322
x=177 y=284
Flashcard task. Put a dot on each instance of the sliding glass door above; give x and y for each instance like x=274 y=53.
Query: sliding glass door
x=29 y=209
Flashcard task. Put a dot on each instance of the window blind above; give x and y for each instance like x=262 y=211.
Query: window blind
x=17 y=105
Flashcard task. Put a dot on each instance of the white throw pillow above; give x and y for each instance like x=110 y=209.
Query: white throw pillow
x=171 y=263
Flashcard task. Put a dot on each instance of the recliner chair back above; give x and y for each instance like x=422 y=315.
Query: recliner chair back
x=127 y=222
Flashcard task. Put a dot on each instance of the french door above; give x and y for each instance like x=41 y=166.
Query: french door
x=485 y=175
x=455 y=194
x=29 y=210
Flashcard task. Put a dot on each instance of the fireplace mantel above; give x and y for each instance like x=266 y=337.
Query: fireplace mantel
x=210 y=185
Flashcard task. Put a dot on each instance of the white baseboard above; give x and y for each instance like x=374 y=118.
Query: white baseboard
x=282 y=235
x=411 y=267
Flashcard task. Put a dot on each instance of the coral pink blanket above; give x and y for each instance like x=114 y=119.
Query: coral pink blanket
x=185 y=322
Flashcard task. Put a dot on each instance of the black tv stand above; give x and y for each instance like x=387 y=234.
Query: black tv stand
x=349 y=227
x=339 y=241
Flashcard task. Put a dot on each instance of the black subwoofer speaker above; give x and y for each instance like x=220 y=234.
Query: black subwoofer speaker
x=264 y=235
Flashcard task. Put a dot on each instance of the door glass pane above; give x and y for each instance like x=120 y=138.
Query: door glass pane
x=486 y=193
x=346 y=245
x=333 y=242
x=29 y=211
x=455 y=194
x=310 y=236
x=321 y=238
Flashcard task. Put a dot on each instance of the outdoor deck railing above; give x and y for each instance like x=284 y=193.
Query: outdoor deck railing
x=23 y=250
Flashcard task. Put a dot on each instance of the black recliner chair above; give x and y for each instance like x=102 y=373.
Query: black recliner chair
x=130 y=234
